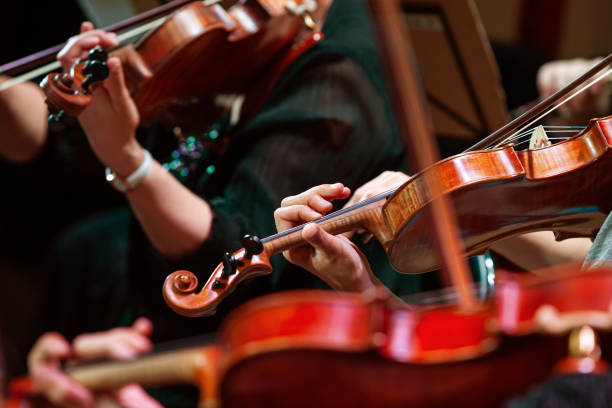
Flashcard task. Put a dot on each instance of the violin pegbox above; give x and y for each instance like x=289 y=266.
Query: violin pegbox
x=180 y=287
x=70 y=93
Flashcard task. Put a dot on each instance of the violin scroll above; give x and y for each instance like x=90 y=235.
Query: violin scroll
x=70 y=93
x=180 y=286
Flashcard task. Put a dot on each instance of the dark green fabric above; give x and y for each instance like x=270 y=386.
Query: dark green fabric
x=569 y=391
x=600 y=253
x=327 y=120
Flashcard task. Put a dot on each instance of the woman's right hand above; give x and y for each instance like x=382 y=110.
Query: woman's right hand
x=385 y=181
x=119 y=343
x=554 y=75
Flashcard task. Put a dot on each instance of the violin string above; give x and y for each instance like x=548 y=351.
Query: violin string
x=559 y=104
x=526 y=135
x=52 y=66
x=330 y=216
x=549 y=129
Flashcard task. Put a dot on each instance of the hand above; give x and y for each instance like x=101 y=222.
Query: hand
x=555 y=75
x=61 y=390
x=78 y=46
x=334 y=259
x=385 y=181
x=111 y=119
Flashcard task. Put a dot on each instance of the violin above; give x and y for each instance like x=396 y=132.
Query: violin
x=329 y=349
x=199 y=51
x=498 y=193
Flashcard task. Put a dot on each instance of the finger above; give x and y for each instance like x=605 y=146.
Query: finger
x=119 y=95
x=301 y=256
x=578 y=102
x=134 y=396
x=77 y=46
x=322 y=241
x=143 y=326
x=137 y=341
x=90 y=346
x=120 y=343
x=597 y=88
x=49 y=347
x=123 y=349
x=384 y=182
x=59 y=388
x=321 y=194
x=86 y=26
x=74 y=49
x=288 y=217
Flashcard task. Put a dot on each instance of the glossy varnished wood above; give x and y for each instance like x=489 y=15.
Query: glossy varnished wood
x=197 y=52
x=499 y=193
x=307 y=378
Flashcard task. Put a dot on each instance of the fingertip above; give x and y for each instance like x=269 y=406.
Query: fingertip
x=109 y=40
x=310 y=231
x=122 y=351
x=86 y=26
x=143 y=326
x=113 y=63
x=55 y=345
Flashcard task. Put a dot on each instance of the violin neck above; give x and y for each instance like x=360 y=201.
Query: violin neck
x=367 y=216
x=167 y=368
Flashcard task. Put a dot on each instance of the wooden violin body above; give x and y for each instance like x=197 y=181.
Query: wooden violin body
x=197 y=52
x=325 y=349
x=502 y=192
x=497 y=193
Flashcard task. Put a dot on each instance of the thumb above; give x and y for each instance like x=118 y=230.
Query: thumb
x=322 y=241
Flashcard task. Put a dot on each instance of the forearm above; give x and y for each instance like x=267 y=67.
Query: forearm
x=540 y=249
x=175 y=220
x=23 y=114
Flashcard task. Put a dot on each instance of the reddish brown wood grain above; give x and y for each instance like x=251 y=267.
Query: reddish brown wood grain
x=198 y=50
x=499 y=193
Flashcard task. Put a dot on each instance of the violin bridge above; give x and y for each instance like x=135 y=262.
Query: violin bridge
x=539 y=138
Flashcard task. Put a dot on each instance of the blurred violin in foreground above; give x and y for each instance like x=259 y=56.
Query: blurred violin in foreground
x=293 y=348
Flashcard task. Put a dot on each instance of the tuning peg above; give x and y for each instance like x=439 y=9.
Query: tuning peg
x=95 y=71
x=230 y=263
x=252 y=246
x=97 y=54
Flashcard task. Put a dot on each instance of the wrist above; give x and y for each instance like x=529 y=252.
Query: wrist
x=127 y=160
x=131 y=181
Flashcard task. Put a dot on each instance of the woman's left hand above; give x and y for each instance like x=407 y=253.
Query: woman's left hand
x=334 y=259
